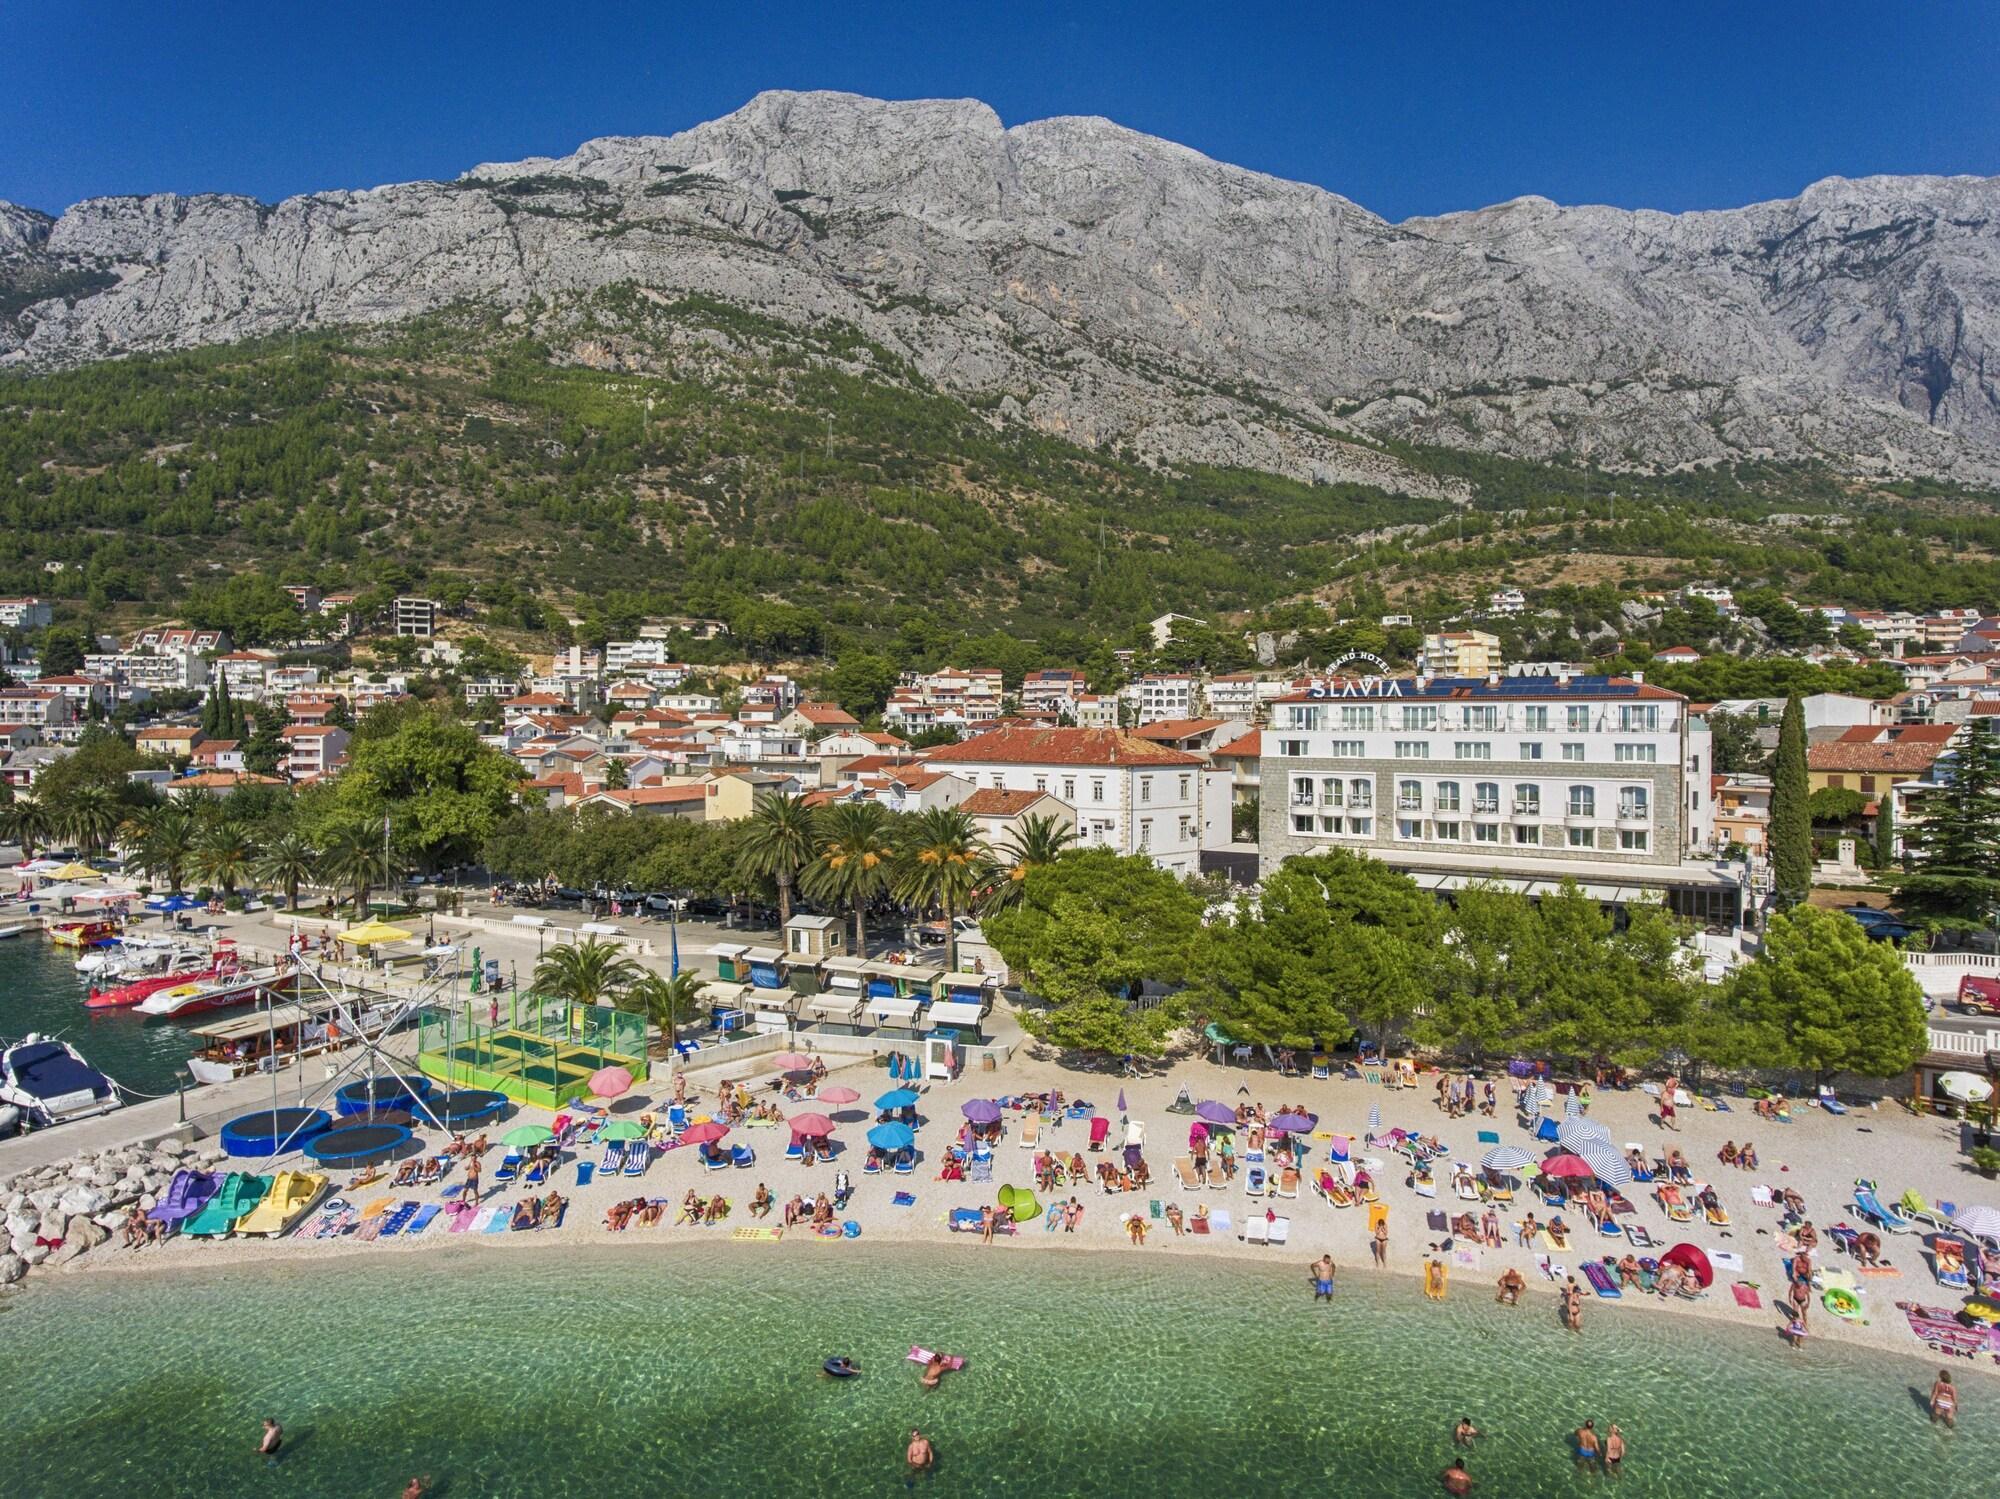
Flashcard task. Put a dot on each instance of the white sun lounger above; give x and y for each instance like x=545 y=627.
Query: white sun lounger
x=1281 y=1230
x=1031 y=1133
x=1254 y=1230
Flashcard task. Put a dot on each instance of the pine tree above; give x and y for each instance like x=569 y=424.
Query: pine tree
x=1955 y=846
x=1791 y=819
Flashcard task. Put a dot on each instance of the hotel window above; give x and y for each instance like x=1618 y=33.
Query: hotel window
x=1302 y=824
x=1486 y=796
x=1528 y=799
x=1867 y=785
x=1361 y=827
x=1582 y=801
x=1184 y=830
x=1447 y=796
x=1145 y=832
x=1069 y=789
x=1486 y=832
x=1302 y=791
x=1634 y=801
x=1096 y=790
x=1184 y=788
x=1420 y=718
x=1836 y=783
x=1296 y=748
x=1409 y=796
x=1636 y=754
x=999 y=781
x=1307 y=718
x=1331 y=824
x=1413 y=749
x=1576 y=718
x=1471 y=749
x=1357 y=717
x=1041 y=783
x=1635 y=842
x=1409 y=827
x=1349 y=749
x=1531 y=749
x=1639 y=719
x=1447 y=832
x=1535 y=720
x=1331 y=792
x=1528 y=834
x=1145 y=788
x=1572 y=750
x=1582 y=838
x=1482 y=718
x=1361 y=793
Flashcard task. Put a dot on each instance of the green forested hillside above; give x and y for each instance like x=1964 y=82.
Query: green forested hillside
x=688 y=457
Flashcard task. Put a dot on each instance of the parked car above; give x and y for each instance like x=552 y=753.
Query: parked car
x=1979 y=996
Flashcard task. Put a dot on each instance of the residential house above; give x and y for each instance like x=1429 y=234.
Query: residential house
x=1242 y=694
x=688 y=800
x=83 y=692
x=815 y=720
x=168 y=741
x=998 y=815
x=1163 y=695
x=148 y=672
x=1870 y=758
x=25 y=614
x=312 y=750
x=1053 y=689
x=218 y=754
x=1460 y=653
x=733 y=793
x=1677 y=655
x=1506 y=601
x=42 y=708
x=1129 y=794
x=245 y=671
x=1097 y=710
x=1197 y=736
x=1743 y=812
x=415 y=617
x=859 y=742
x=164 y=638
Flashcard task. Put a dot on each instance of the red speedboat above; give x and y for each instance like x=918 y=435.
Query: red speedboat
x=192 y=968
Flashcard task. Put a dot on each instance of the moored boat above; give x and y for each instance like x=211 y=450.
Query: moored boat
x=240 y=988
x=73 y=933
x=50 y=1083
x=270 y=1040
x=192 y=967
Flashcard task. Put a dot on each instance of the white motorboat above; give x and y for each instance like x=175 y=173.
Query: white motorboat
x=49 y=1082
x=240 y=988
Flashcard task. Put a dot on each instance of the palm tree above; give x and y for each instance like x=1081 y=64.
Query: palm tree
x=291 y=861
x=27 y=821
x=1036 y=840
x=354 y=858
x=856 y=855
x=89 y=815
x=662 y=1000
x=779 y=840
x=223 y=855
x=944 y=859
x=585 y=973
x=161 y=840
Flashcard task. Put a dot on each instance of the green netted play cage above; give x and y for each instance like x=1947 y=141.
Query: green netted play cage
x=536 y=1050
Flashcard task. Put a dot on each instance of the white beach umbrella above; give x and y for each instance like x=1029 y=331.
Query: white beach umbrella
x=1573 y=1107
x=1576 y=1132
x=1980 y=1222
x=1612 y=1168
x=1507 y=1158
x=1374 y=1116
x=1966 y=1087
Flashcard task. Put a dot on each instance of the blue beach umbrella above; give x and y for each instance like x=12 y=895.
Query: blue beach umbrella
x=897 y=1098
x=892 y=1137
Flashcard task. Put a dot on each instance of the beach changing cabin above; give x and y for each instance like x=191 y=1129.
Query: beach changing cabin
x=808 y=939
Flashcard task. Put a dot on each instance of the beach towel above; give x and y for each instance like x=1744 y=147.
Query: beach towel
x=1724 y=1259
x=1746 y=1296
x=1466 y=1257
x=903 y=1200
x=1636 y=1233
x=1436 y=1221
x=501 y=1220
x=1761 y=1196
x=423 y=1219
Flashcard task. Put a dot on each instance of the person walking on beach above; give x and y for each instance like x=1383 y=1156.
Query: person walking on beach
x=1379 y=1244
x=1322 y=1278
x=272 y=1440
x=470 y=1191
x=1944 y=1400
x=1586 y=1444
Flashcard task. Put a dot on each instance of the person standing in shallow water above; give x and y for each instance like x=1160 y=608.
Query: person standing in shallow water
x=272 y=1441
x=1322 y=1278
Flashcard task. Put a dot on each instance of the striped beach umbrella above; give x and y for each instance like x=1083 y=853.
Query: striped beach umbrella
x=1612 y=1168
x=1506 y=1158
x=1573 y=1107
x=1374 y=1116
x=1535 y=1097
x=1576 y=1132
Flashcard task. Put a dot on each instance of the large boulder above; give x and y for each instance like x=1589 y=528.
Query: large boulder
x=82 y=1199
x=12 y=1268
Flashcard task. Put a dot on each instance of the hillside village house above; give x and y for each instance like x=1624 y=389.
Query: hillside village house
x=1460 y=653
x=163 y=638
x=1163 y=695
x=1053 y=689
x=25 y=614
x=41 y=708
x=1871 y=758
x=83 y=692
x=998 y=815
x=1197 y=736
x=860 y=742
x=688 y=800
x=1743 y=812
x=1242 y=694
x=168 y=741
x=1097 y=710
x=148 y=671
x=312 y=750
x=733 y=793
x=218 y=754
x=808 y=720
x=1129 y=794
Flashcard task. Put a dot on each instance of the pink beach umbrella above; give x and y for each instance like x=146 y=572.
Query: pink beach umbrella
x=704 y=1134
x=838 y=1095
x=791 y=1061
x=814 y=1125
x=610 y=1082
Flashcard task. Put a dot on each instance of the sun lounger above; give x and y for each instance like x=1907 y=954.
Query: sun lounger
x=537 y=1174
x=1254 y=1230
x=1676 y=1207
x=1831 y=1104
x=1870 y=1207
x=1321 y=1070
x=637 y=1158
x=1220 y=1222
x=1279 y=1231
x=1601 y=1281
x=1184 y=1169
x=1031 y=1134
x=1254 y=1181
x=1716 y=1214
x=1948 y=1262
x=1913 y=1207
x=906 y=1163
x=613 y=1160
x=509 y=1167
x=742 y=1155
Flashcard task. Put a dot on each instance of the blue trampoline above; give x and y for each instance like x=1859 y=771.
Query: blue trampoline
x=270 y=1131
x=466 y=1106
x=357 y=1145
x=376 y=1093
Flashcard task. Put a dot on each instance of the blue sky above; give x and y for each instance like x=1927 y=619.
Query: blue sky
x=1406 y=108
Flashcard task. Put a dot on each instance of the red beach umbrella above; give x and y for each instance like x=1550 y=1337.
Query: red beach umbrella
x=815 y=1125
x=610 y=1082
x=1690 y=1258
x=704 y=1134
x=837 y=1095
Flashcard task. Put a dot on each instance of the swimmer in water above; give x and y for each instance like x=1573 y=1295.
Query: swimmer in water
x=842 y=1366
x=1465 y=1432
x=272 y=1440
x=1455 y=1479
x=416 y=1488
x=934 y=1371
x=919 y=1454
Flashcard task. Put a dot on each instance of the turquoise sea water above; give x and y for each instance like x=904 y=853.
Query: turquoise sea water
x=41 y=991
x=677 y=1368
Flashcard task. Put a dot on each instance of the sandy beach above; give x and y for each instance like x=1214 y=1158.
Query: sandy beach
x=1818 y=1154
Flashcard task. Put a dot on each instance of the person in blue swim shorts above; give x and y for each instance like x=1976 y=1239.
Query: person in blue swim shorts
x=1322 y=1278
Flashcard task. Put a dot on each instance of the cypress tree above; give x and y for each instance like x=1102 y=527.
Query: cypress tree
x=1791 y=821
x=209 y=708
x=1885 y=829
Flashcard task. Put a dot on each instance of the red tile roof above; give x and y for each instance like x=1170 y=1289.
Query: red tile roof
x=1177 y=728
x=1111 y=747
x=992 y=802
x=1249 y=747
x=1895 y=756
x=827 y=716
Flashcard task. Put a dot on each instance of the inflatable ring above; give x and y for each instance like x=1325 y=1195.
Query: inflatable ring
x=831 y=1367
x=1842 y=1303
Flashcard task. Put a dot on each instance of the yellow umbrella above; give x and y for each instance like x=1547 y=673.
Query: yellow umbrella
x=370 y=933
x=74 y=871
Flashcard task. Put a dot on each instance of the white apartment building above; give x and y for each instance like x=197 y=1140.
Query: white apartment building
x=162 y=671
x=1522 y=780
x=38 y=707
x=1242 y=694
x=245 y=672
x=1722 y=598
x=1131 y=796
x=1460 y=653
x=25 y=614
x=1053 y=690
x=312 y=749
x=1163 y=695
x=1506 y=601
x=1097 y=710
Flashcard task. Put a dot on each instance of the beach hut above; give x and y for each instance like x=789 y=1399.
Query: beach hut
x=893 y=1016
x=841 y=975
x=730 y=964
x=808 y=939
x=767 y=967
x=773 y=1011
x=837 y=1013
x=961 y=1005
x=728 y=1005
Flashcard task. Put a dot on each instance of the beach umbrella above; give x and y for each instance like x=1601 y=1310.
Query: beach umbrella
x=1612 y=1168
x=1966 y=1087
x=981 y=1110
x=74 y=871
x=837 y=1095
x=1215 y=1113
x=609 y=1082
x=1506 y=1158
x=1535 y=1097
x=1980 y=1222
x=897 y=1098
x=1575 y=1133
x=1567 y=1165
x=1121 y=1100
x=1688 y=1257
x=525 y=1136
x=704 y=1134
x=814 y=1125
x=373 y=933
x=1197 y=1133
x=791 y=1061
x=1374 y=1116
x=892 y=1137
x=1293 y=1124
x=1573 y=1107
x=623 y=1129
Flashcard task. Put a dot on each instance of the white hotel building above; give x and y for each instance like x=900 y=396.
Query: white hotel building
x=1522 y=781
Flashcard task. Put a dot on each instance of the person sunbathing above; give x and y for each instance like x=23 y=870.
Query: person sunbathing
x=1727 y=1155
x=137 y=1231
x=718 y=1208
x=1671 y=1276
x=1465 y=1226
x=1489 y=1229
x=822 y=1212
x=954 y=1170
x=1107 y=1176
x=1677 y=1166
x=794 y=1210
x=1628 y=1270
x=760 y=1204
x=1558 y=1232
x=618 y=1215
x=1135 y=1229
x=1529 y=1228
x=527 y=1213
x=1794 y=1204
x=1868 y=1248
x=1747 y=1156
x=1142 y=1175
x=1072 y=1214
x=1125 y=1179
x=1200 y=1220
x=1807 y=1236
x=1077 y=1169
x=550 y=1210
x=691 y=1208
x=406 y=1175
x=1174 y=1219
x=650 y=1214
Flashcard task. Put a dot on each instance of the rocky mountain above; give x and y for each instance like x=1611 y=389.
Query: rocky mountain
x=1121 y=290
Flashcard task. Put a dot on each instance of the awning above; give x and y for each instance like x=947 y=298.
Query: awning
x=851 y=966
x=720 y=950
x=962 y=980
x=875 y=969
x=717 y=994
x=921 y=974
x=373 y=934
x=761 y=954
x=243 y=1027
x=838 y=1005
x=956 y=1012
x=773 y=1001
x=883 y=1010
